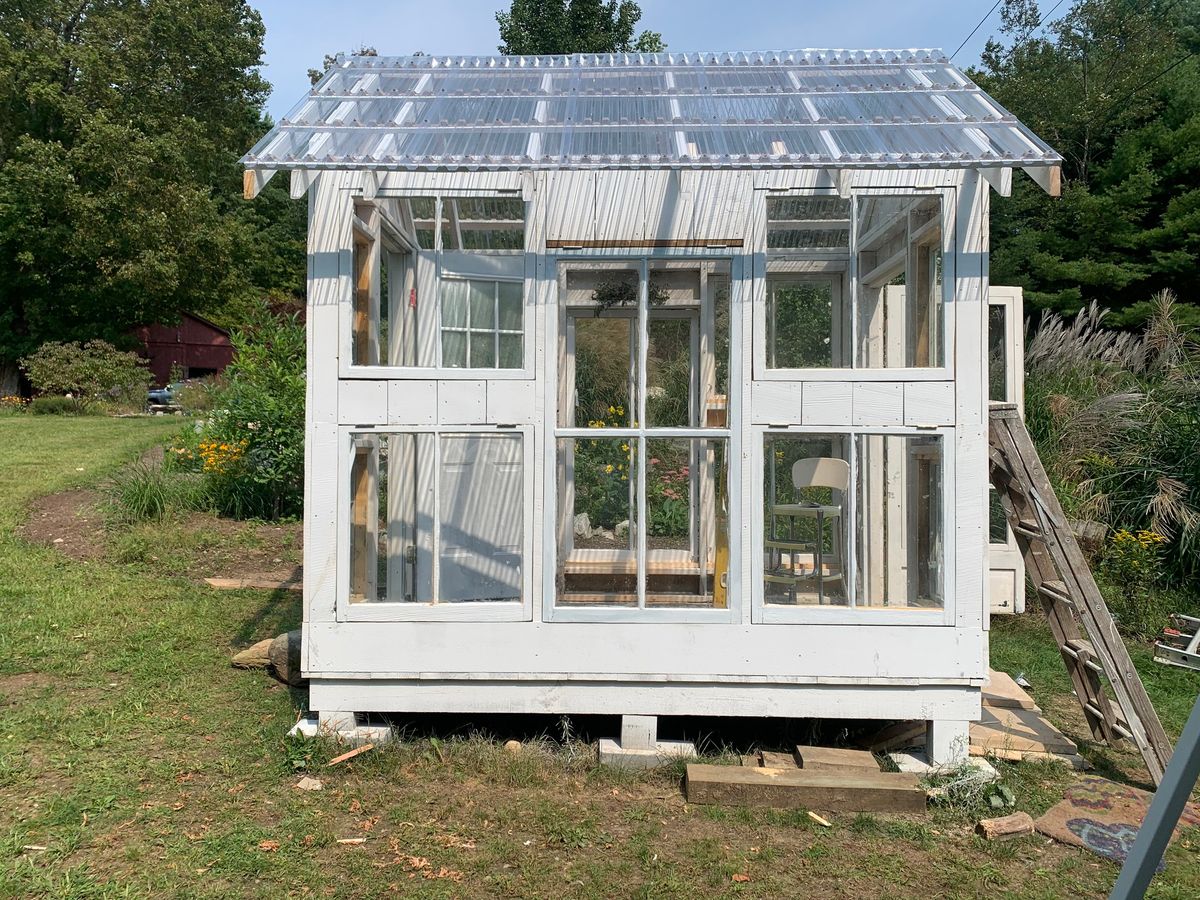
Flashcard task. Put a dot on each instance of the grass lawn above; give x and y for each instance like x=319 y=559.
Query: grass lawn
x=135 y=762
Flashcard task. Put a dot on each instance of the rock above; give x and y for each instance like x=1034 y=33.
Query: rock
x=285 y=657
x=308 y=783
x=512 y=746
x=583 y=526
x=603 y=534
x=621 y=530
x=256 y=656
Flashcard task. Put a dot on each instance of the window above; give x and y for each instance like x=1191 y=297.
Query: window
x=642 y=443
x=893 y=317
x=853 y=520
x=439 y=282
x=437 y=519
x=482 y=324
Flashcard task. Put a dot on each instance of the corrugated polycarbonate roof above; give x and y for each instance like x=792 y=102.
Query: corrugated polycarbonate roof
x=874 y=108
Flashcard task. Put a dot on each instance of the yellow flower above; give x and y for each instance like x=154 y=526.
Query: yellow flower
x=608 y=469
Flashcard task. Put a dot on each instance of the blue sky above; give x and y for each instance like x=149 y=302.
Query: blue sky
x=301 y=32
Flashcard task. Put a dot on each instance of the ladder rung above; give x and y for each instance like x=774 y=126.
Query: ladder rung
x=1073 y=649
x=1029 y=530
x=1055 y=590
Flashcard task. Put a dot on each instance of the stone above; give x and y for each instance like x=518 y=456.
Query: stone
x=621 y=529
x=583 y=525
x=512 y=746
x=256 y=656
x=285 y=657
x=307 y=783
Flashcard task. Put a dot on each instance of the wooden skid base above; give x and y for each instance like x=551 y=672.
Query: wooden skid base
x=860 y=791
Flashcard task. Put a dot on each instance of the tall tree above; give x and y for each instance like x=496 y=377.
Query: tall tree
x=541 y=27
x=121 y=124
x=1114 y=86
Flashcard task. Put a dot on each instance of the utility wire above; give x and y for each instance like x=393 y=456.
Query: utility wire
x=975 y=29
x=1113 y=107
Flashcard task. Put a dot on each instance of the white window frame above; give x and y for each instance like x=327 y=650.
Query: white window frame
x=556 y=267
x=399 y=611
x=779 y=260
x=472 y=265
x=763 y=613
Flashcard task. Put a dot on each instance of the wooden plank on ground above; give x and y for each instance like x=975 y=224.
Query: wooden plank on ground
x=1001 y=692
x=859 y=791
x=772 y=759
x=1074 y=760
x=835 y=759
x=260 y=584
x=1018 y=729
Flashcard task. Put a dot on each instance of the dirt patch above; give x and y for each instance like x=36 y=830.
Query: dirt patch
x=70 y=522
x=12 y=687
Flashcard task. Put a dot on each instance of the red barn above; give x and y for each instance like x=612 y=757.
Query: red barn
x=197 y=346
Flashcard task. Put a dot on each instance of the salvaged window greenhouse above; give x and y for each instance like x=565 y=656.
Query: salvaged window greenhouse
x=639 y=384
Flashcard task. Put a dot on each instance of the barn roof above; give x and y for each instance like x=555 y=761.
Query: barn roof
x=786 y=109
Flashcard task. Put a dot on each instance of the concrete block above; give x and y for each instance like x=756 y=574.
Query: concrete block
x=611 y=753
x=639 y=732
x=353 y=736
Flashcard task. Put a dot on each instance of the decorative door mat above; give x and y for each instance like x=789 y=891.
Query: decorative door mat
x=1104 y=817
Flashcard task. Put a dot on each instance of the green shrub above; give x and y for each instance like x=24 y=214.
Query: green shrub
x=199 y=396
x=89 y=373
x=251 y=450
x=50 y=405
x=144 y=492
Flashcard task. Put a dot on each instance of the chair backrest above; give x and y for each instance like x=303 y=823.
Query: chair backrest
x=821 y=471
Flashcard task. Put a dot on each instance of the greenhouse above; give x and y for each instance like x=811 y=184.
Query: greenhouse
x=654 y=384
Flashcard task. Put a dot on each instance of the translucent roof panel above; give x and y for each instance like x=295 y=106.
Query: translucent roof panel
x=866 y=108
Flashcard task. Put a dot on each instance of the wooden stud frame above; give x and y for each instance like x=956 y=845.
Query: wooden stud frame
x=396 y=611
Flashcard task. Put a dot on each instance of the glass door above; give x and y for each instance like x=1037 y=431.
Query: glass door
x=642 y=439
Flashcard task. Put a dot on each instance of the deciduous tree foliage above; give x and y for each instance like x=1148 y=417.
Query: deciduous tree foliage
x=1114 y=86
x=121 y=124
x=538 y=27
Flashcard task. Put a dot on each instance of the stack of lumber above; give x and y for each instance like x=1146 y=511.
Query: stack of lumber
x=1012 y=728
x=815 y=778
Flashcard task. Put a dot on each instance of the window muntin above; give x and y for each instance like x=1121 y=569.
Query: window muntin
x=854 y=284
x=642 y=436
x=853 y=520
x=436 y=519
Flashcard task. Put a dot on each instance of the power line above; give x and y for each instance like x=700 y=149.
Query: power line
x=975 y=29
x=1113 y=107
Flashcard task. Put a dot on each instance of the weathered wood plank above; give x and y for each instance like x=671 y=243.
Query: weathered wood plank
x=1005 y=828
x=1001 y=692
x=835 y=759
x=896 y=792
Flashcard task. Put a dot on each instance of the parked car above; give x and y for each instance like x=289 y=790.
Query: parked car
x=164 y=396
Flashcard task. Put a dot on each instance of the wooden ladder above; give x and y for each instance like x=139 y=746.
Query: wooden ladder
x=1069 y=595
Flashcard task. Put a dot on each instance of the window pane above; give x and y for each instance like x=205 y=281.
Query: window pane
x=997 y=354
x=687 y=530
x=454 y=303
x=394 y=500
x=597 y=522
x=899 y=303
x=454 y=349
x=483 y=350
x=900 y=537
x=801 y=324
x=510 y=351
x=598 y=381
x=510 y=306
x=483 y=304
x=480 y=518
x=997 y=519
x=671 y=371
x=806 y=519
x=808 y=223
x=483 y=223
